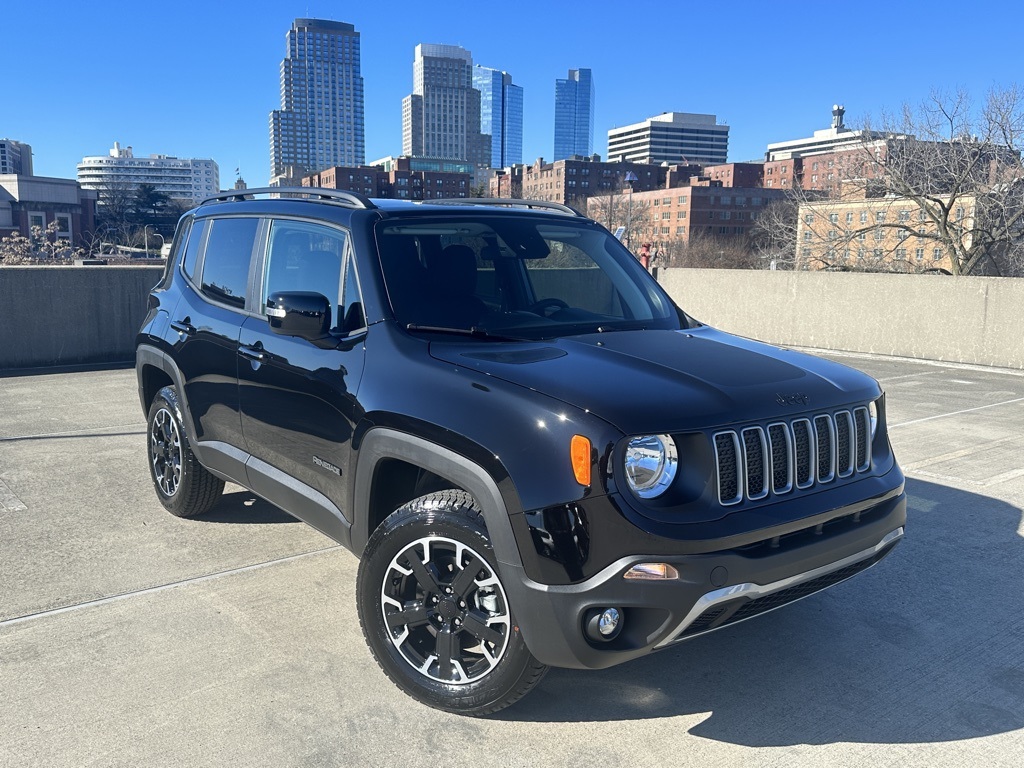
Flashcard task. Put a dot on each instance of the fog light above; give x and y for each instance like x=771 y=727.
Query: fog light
x=608 y=622
x=604 y=624
x=651 y=572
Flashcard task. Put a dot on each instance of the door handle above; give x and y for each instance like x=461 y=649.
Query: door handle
x=183 y=326
x=252 y=353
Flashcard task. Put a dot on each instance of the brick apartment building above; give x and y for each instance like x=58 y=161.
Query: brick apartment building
x=398 y=179
x=679 y=214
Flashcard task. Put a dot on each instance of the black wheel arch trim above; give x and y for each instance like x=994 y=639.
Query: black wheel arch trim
x=384 y=443
x=148 y=355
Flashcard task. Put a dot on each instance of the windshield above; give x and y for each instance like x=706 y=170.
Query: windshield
x=522 y=277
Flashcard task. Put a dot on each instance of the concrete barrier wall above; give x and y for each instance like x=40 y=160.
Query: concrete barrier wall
x=53 y=316
x=957 y=319
x=70 y=315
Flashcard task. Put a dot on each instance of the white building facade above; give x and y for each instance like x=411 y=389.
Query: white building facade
x=179 y=178
x=672 y=137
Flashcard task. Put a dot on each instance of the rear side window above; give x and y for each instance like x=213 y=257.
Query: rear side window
x=226 y=261
x=194 y=235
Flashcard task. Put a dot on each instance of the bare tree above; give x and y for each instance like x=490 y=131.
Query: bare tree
x=774 y=234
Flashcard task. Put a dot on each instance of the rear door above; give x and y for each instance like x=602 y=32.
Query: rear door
x=218 y=263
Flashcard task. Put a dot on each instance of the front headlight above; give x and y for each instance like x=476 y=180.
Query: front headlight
x=651 y=462
x=873 y=417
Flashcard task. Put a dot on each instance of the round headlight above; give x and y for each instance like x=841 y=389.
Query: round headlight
x=651 y=462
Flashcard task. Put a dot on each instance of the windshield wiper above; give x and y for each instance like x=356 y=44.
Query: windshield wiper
x=476 y=333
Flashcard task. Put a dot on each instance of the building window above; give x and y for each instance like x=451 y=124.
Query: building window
x=879 y=235
x=808 y=236
x=834 y=218
x=37 y=220
x=904 y=215
x=682 y=199
x=680 y=214
x=919 y=254
x=809 y=218
x=879 y=253
x=937 y=254
x=680 y=230
x=666 y=214
x=863 y=217
x=849 y=217
x=880 y=217
x=901 y=254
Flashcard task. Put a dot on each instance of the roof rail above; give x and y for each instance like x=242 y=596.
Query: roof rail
x=348 y=199
x=507 y=202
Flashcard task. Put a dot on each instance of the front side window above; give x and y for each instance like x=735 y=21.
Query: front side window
x=306 y=257
x=226 y=260
x=523 y=277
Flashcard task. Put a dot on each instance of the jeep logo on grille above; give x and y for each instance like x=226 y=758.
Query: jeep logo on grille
x=793 y=398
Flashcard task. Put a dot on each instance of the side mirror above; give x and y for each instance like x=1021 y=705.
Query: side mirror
x=299 y=313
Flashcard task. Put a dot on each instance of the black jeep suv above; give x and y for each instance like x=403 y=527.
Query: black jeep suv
x=537 y=456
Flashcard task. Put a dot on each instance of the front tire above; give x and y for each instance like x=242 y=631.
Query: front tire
x=183 y=485
x=434 y=610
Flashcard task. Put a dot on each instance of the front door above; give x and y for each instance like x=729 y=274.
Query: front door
x=298 y=397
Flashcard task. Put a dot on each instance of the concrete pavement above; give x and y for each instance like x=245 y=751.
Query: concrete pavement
x=130 y=637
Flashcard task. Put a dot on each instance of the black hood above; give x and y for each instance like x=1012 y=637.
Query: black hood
x=647 y=382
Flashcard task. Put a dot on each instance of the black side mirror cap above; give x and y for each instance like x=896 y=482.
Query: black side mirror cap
x=299 y=313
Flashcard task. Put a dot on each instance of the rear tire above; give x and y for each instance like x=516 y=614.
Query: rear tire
x=183 y=485
x=434 y=611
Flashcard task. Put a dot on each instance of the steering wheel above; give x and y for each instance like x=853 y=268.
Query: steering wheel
x=541 y=307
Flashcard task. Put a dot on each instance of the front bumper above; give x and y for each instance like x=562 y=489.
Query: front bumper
x=713 y=590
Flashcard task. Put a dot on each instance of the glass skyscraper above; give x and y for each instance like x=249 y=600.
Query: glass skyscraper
x=320 y=123
x=574 y=114
x=501 y=114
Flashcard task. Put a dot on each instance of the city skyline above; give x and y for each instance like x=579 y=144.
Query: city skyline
x=204 y=90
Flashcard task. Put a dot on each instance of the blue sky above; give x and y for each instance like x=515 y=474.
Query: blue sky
x=198 y=79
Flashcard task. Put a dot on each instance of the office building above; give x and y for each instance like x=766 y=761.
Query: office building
x=441 y=117
x=320 y=122
x=28 y=202
x=180 y=178
x=15 y=157
x=574 y=114
x=501 y=115
x=671 y=137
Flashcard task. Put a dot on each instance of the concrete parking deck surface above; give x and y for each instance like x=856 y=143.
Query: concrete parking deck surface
x=129 y=637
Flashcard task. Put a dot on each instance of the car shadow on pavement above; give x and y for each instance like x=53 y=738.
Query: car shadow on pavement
x=243 y=507
x=924 y=647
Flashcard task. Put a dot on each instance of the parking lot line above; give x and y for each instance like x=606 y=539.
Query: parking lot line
x=955 y=413
x=161 y=587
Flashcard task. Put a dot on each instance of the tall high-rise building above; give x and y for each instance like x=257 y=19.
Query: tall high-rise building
x=574 y=114
x=671 y=137
x=15 y=157
x=441 y=117
x=320 y=122
x=501 y=115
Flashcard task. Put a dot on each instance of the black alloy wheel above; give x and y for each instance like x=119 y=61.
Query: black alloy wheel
x=435 y=613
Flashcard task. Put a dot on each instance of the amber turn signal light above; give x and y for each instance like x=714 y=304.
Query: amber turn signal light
x=579 y=451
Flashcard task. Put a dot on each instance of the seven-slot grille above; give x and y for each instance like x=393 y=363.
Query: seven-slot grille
x=754 y=461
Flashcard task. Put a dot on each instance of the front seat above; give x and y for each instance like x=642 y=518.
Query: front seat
x=451 y=282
